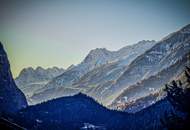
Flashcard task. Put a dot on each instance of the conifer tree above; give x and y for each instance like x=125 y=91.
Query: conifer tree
x=179 y=97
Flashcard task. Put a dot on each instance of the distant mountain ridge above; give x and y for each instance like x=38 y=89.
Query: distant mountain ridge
x=30 y=80
x=66 y=84
x=30 y=75
x=129 y=66
x=94 y=59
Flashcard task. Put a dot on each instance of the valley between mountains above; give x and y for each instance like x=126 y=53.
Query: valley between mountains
x=142 y=86
x=113 y=78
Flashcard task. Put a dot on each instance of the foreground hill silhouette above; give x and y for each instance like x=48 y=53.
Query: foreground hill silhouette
x=75 y=112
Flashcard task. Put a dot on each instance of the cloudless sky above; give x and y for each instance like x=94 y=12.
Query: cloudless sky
x=61 y=32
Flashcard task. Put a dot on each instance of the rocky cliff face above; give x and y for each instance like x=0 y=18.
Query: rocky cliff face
x=11 y=98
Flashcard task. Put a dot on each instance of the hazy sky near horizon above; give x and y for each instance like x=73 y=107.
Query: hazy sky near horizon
x=61 y=32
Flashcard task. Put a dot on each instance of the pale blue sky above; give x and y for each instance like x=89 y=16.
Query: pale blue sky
x=61 y=32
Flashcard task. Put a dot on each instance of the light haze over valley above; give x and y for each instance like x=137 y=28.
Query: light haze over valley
x=95 y=64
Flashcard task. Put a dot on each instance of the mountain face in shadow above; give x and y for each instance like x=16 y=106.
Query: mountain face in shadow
x=11 y=98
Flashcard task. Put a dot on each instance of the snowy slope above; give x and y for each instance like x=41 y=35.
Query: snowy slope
x=151 y=85
x=164 y=54
x=31 y=80
x=30 y=75
x=99 y=67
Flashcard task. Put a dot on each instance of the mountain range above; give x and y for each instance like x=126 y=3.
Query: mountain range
x=105 y=75
x=156 y=66
x=162 y=55
x=112 y=61
x=30 y=80
x=29 y=75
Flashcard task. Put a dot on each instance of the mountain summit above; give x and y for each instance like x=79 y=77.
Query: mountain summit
x=30 y=75
x=98 y=56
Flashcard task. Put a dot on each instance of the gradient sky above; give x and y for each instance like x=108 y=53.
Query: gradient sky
x=61 y=32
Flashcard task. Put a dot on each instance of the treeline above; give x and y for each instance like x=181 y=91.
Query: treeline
x=74 y=112
x=178 y=94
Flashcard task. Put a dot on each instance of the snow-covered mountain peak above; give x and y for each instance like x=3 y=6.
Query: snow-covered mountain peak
x=97 y=54
x=143 y=43
x=31 y=75
x=185 y=29
x=98 y=50
x=70 y=67
x=26 y=70
x=39 y=69
x=146 y=42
